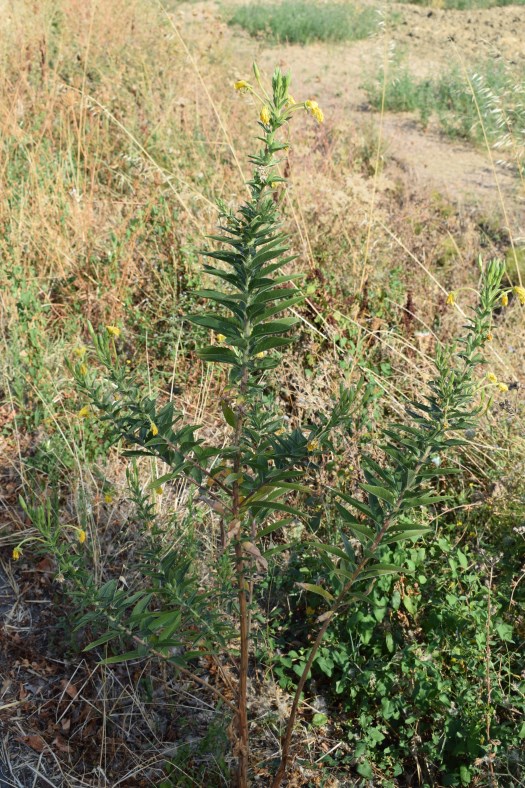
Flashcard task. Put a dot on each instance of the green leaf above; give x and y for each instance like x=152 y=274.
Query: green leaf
x=220 y=354
x=359 y=529
x=275 y=326
x=275 y=505
x=381 y=569
x=396 y=535
x=379 y=492
x=101 y=640
x=123 y=657
x=319 y=590
x=229 y=415
x=328 y=548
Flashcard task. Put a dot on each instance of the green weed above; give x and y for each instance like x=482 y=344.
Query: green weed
x=298 y=22
x=487 y=104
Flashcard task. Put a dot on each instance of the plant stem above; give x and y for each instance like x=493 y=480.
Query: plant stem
x=242 y=745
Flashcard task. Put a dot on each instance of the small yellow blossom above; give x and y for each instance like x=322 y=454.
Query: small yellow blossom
x=491 y=377
x=83 y=370
x=520 y=293
x=220 y=337
x=82 y=536
x=108 y=498
x=84 y=412
x=153 y=428
x=159 y=490
x=262 y=354
x=446 y=425
x=503 y=387
x=242 y=86
x=17 y=553
x=451 y=299
x=312 y=445
x=114 y=331
x=489 y=337
x=280 y=431
x=504 y=300
x=265 y=115
x=314 y=109
x=291 y=100
x=80 y=352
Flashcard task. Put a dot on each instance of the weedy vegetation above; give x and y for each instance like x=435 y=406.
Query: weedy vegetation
x=483 y=104
x=264 y=466
x=301 y=22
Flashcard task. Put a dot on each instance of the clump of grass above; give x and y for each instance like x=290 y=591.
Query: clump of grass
x=299 y=22
x=486 y=104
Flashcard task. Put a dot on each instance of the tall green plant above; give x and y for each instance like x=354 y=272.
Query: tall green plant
x=254 y=481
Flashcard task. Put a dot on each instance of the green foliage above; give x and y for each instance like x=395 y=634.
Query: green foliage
x=299 y=22
x=255 y=479
x=454 y=98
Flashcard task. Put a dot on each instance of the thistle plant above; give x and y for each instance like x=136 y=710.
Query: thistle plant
x=255 y=481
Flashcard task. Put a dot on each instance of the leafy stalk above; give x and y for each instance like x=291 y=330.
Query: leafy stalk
x=393 y=490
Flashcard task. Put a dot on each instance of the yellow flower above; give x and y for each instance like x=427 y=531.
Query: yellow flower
x=451 y=299
x=80 y=352
x=159 y=490
x=114 y=331
x=82 y=536
x=265 y=115
x=503 y=387
x=504 y=300
x=280 y=431
x=489 y=337
x=83 y=370
x=491 y=377
x=520 y=293
x=154 y=429
x=314 y=109
x=242 y=86
x=220 y=337
x=16 y=553
x=108 y=498
x=446 y=425
x=312 y=445
x=291 y=100
x=262 y=354
x=84 y=412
